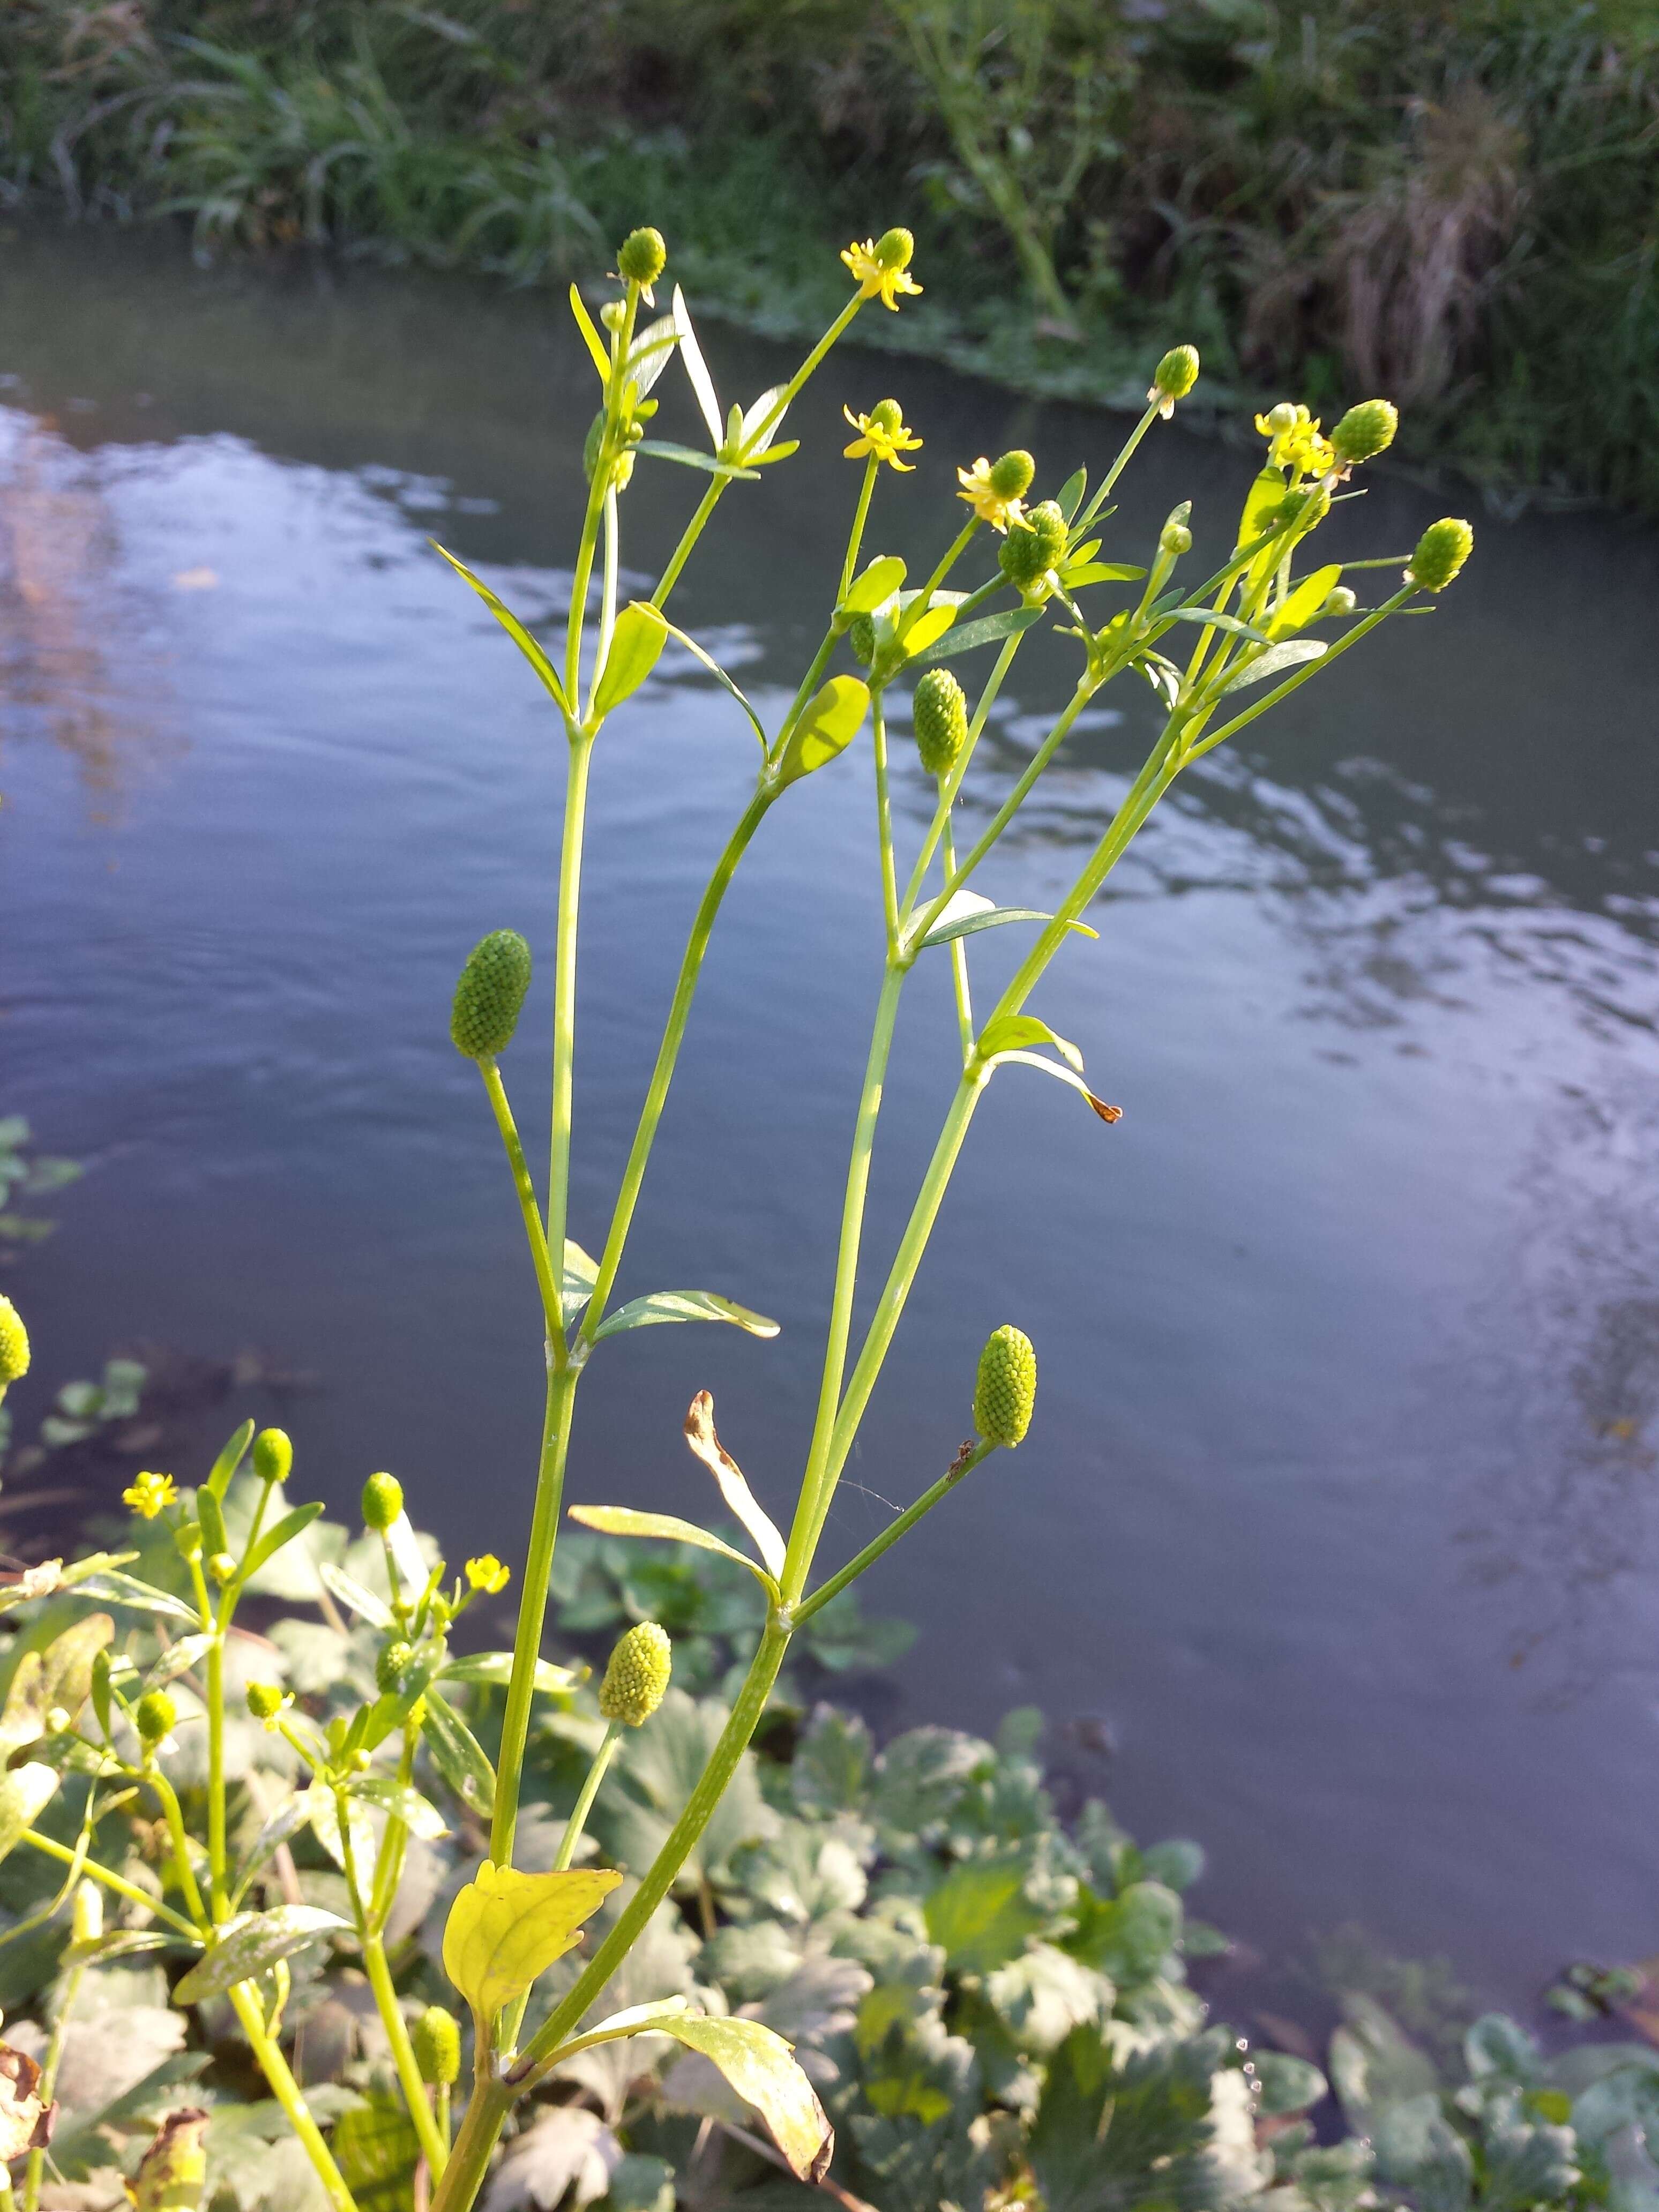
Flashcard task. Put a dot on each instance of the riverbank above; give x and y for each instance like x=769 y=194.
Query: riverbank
x=1452 y=204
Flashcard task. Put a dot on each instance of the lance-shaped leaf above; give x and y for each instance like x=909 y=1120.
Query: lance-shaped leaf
x=636 y=644
x=698 y=368
x=878 y=582
x=291 y=1526
x=1207 y=618
x=648 y=355
x=683 y=1306
x=532 y=650
x=1019 y=1033
x=635 y=2019
x=716 y=670
x=324 y=1814
x=121 y=1943
x=418 y=1814
x=763 y=1530
x=506 y=1928
x=829 y=723
x=111 y=1587
x=1274 y=662
x=752 y=441
x=286 y=1821
x=177 y=1659
x=250 y=1945
x=760 y=2066
x=1108 y=1114
x=965 y=913
x=989 y=629
x=458 y=1754
x=1069 y=497
x=495 y=1668
x=927 y=630
x=624 y=1520
x=689 y=458
x=58 y=1677
x=594 y=343
x=1303 y=603
x=580 y=1272
x=229 y=1460
x=365 y=1603
x=24 y=1793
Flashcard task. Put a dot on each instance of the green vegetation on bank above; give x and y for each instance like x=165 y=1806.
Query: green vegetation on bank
x=1454 y=201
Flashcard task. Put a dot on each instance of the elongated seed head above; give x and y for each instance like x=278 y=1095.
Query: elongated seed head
x=887 y=415
x=437 y=2041
x=1005 y=1390
x=862 y=636
x=14 y=1345
x=154 y=1714
x=895 y=247
x=940 y=713
x=637 y=1677
x=643 y=256
x=1025 y=554
x=1010 y=477
x=390 y=1668
x=1176 y=373
x=490 y=994
x=273 y=1455
x=1441 y=551
x=383 y=1501
x=1366 y=431
x=87 y=1914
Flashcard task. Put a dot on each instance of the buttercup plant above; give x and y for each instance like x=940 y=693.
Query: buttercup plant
x=1250 y=634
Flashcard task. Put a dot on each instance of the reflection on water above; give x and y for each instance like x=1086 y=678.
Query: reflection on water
x=1336 y=1533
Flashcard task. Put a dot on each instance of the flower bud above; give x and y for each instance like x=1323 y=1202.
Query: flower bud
x=613 y=315
x=1004 y=1390
x=1010 y=477
x=490 y=994
x=1364 y=431
x=154 y=1714
x=187 y=1539
x=894 y=248
x=1340 y=601
x=637 y=1676
x=14 y=1345
x=1176 y=373
x=383 y=1501
x=391 y=1667
x=643 y=257
x=273 y=1455
x=1441 y=551
x=1281 y=418
x=1175 y=539
x=265 y=1700
x=862 y=636
x=222 y=1568
x=940 y=713
x=59 y=1719
x=436 y=2037
x=87 y=1913
x=1025 y=554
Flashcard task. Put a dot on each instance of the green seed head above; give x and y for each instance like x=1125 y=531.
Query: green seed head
x=87 y=1913
x=887 y=415
x=1175 y=539
x=1281 y=418
x=1025 y=554
x=941 y=713
x=14 y=1345
x=437 y=2039
x=273 y=1455
x=391 y=1667
x=490 y=994
x=862 y=636
x=637 y=1676
x=154 y=1714
x=1176 y=373
x=894 y=248
x=1010 y=477
x=1005 y=1390
x=265 y=1700
x=383 y=1501
x=222 y=1567
x=1441 y=551
x=1366 y=431
x=643 y=256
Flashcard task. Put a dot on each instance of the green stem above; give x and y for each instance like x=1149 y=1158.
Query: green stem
x=175 y=1820
x=526 y=1190
x=884 y=828
x=682 y=553
x=953 y=553
x=952 y=783
x=402 y=2054
x=859 y=519
x=286 y=2090
x=828 y=1592
x=117 y=1883
x=959 y=962
x=532 y=1610
x=1308 y=669
x=33 y=2172
x=667 y=1054
x=608 y=597
x=564 y=1014
x=468 y=2169
x=584 y=1804
x=1105 y=491
x=217 y=1862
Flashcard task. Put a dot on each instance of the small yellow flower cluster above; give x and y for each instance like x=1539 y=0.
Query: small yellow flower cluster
x=882 y=435
x=1296 y=440
x=147 y=1493
x=878 y=266
x=996 y=490
x=488 y=1574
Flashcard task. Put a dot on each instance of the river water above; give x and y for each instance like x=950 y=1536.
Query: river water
x=1333 y=1543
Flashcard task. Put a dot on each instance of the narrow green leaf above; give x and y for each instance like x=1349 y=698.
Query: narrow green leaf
x=418 y=1814
x=636 y=643
x=510 y=622
x=698 y=368
x=1015 y=1032
x=829 y=723
x=25 y=1794
x=121 y=1943
x=689 y=458
x=1069 y=497
x=1108 y=1114
x=962 y=919
x=927 y=630
x=1304 y=602
x=595 y=345
x=495 y=1668
x=580 y=1272
x=111 y=1587
x=1274 y=662
x=716 y=670
x=355 y=1599
x=1101 y=572
x=250 y=1945
x=749 y=430
x=458 y=1756
x=291 y=1526
x=286 y=1821
x=1209 y=619
x=177 y=1659
x=650 y=353
x=878 y=582
x=989 y=629
x=683 y=1306
x=211 y=1514
x=624 y=1520
x=229 y=1460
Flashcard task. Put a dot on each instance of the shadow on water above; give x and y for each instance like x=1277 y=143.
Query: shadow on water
x=1338 y=1519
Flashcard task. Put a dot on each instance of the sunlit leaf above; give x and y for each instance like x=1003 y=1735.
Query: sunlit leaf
x=761 y=2067
x=418 y=1814
x=532 y=650
x=625 y=1521
x=506 y=1928
x=683 y=1306
x=250 y=1945
x=458 y=1754
x=734 y=1489
x=177 y=1659
x=878 y=582
x=355 y=1599
x=1207 y=618
x=24 y=1793
x=989 y=629
x=636 y=643
x=285 y=1822
x=324 y=1811
x=595 y=344
x=689 y=458
x=1304 y=603
x=748 y=448
x=716 y=671
x=1102 y=571
x=1108 y=1114
x=696 y=369
x=1017 y=1032
x=829 y=723
x=495 y=1668
x=229 y=1460
x=113 y=1588
x=965 y=913
x=121 y=1943
x=927 y=630
x=649 y=354
x=1274 y=661
x=581 y=1274
x=1069 y=497
x=18 y=1587
x=291 y=1526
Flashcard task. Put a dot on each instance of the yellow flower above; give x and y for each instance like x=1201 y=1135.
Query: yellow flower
x=149 y=1493
x=488 y=1574
x=878 y=266
x=882 y=434
x=997 y=508
x=1296 y=443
